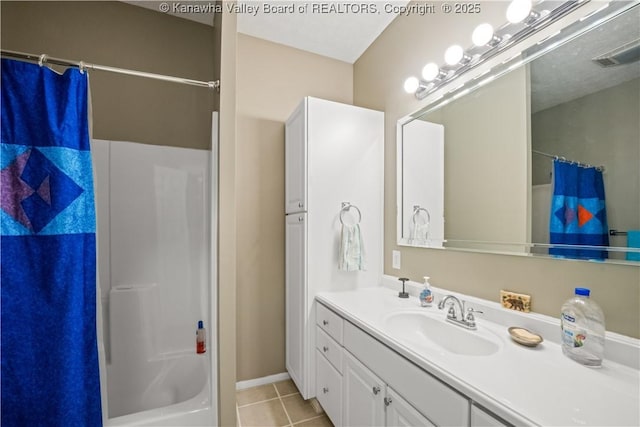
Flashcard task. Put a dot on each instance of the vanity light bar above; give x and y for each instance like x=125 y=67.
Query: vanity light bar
x=532 y=21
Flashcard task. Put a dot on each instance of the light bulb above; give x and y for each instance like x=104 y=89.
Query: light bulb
x=411 y=84
x=518 y=10
x=453 y=54
x=482 y=35
x=430 y=71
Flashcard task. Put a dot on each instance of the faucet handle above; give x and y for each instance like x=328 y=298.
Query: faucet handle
x=451 y=314
x=470 y=317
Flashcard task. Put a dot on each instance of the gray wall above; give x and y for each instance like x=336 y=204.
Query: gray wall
x=126 y=36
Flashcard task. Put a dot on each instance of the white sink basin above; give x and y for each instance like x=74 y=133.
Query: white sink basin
x=431 y=330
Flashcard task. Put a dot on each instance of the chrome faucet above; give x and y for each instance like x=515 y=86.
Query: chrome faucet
x=467 y=321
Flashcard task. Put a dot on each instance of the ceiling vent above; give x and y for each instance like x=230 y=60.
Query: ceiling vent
x=625 y=54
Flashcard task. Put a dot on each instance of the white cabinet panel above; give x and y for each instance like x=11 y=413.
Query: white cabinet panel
x=296 y=162
x=329 y=389
x=334 y=153
x=363 y=395
x=295 y=279
x=401 y=414
x=439 y=402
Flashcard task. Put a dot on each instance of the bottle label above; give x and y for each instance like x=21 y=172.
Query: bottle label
x=426 y=297
x=572 y=335
x=201 y=342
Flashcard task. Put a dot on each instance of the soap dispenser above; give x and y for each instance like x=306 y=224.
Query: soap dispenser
x=426 y=296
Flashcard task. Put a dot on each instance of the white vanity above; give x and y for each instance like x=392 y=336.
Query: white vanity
x=386 y=361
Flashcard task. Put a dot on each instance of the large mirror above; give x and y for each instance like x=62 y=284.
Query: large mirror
x=482 y=165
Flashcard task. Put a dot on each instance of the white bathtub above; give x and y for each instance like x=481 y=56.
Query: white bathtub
x=188 y=410
x=145 y=385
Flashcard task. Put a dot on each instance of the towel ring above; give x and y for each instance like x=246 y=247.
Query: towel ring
x=346 y=206
x=416 y=212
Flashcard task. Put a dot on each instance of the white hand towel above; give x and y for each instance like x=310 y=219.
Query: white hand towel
x=419 y=234
x=351 y=249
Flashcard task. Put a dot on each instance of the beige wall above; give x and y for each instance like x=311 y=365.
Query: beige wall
x=272 y=79
x=485 y=147
x=121 y=35
x=402 y=49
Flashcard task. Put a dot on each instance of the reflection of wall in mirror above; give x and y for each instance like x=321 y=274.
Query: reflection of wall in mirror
x=540 y=211
x=486 y=147
x=600 y=129
x=423 y=183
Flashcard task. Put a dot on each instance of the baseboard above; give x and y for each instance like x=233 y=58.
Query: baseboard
x=241 y=385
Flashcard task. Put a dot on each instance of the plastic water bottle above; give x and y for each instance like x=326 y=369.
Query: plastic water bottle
x=582 y=323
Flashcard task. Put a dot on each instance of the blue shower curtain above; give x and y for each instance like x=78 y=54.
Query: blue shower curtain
x=578 y=211
x=50 y=374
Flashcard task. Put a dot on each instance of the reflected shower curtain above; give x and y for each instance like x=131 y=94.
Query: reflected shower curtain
x=50 y=373
x=578 y=211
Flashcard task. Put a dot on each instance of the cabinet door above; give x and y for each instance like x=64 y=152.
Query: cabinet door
x=295 y=299
x=401 y=414
x=363 y=395
x=329 y=389
x=295 y=155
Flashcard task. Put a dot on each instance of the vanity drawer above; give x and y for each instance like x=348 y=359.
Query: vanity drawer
x=330 y=322
x=329 y=348
x=329 y=389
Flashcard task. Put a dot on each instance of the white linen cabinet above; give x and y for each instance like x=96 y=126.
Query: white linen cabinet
x=334 y=153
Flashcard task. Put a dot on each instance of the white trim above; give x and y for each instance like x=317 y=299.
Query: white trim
x=241 y=385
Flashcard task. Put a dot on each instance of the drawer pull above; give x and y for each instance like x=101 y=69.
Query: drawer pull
x=325 y=322
x=387 y=401
x=325 y=390
x=325 y=348
x=376 y=390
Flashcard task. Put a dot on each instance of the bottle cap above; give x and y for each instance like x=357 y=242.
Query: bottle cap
x=583 y=291
x=200 y=324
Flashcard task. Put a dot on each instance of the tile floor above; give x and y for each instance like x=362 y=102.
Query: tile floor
x=277 y=405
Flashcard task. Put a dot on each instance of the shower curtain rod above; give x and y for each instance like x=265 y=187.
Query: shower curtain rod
x=553 y=156
x=45 y=59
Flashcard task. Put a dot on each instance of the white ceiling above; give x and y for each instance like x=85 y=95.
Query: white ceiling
x=328 y=32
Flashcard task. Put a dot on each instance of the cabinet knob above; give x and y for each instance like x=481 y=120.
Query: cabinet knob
x=300 y=204
x=300 y=218
x=387 y=401
x=376 y=390
x=325 y=390
x=325 y=322
x=325 y=348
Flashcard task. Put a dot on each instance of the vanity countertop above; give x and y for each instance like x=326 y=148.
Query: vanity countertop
x=524 y=385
